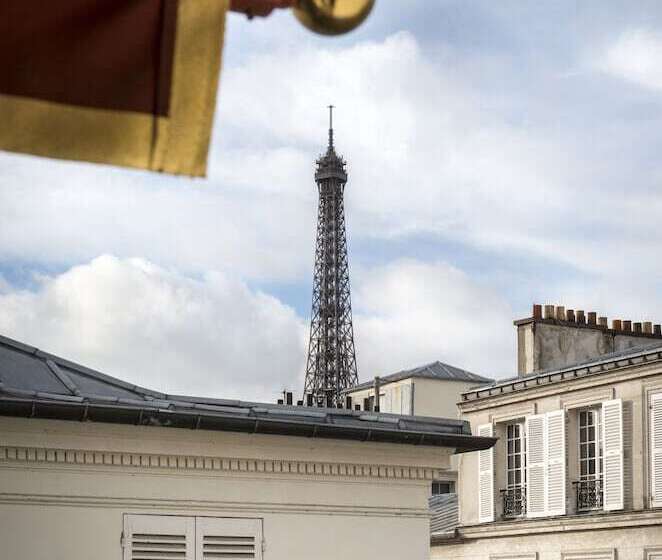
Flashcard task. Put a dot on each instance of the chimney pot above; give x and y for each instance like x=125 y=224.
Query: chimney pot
x=560 y=313
x=627 y=326
x=537 y=311
x=604 y=322
x=648 y=327
x=549 y=311
x=617 y=325
x=657 y=329
x=570 y=315
x=581 y=318
x=592 y=318
x=637 y=327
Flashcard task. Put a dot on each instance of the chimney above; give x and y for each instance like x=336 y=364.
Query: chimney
x=556 y=337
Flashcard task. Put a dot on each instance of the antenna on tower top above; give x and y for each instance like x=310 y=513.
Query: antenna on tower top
x=331 y=107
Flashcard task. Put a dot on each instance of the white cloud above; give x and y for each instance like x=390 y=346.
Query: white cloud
x=635 y=56
x=410 y=313
x=213 y=336
x=129 y=318
x=427 y=155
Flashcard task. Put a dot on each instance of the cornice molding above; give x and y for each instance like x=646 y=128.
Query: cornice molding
x=98 y=458
x=612 y=375
x=563 y=524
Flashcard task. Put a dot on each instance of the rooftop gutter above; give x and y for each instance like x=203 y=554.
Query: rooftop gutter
x=135 y=413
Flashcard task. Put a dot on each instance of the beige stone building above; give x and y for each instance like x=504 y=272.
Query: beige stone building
x=93 y=467
x=577 y=470
x=430 y=390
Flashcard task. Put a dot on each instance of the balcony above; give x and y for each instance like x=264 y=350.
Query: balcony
x=514 y=502
x=589 y=494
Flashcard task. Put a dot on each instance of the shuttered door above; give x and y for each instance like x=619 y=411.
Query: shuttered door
x=159 y=537
x=656 y=449
x=221 y=538
x=612 y=445
x=485 y=478
x=535 y=466
x=556 y=482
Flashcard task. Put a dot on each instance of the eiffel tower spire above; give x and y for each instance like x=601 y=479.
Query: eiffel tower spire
x=331 y=364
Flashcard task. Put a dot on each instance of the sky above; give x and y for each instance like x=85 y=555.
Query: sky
x=499 y=154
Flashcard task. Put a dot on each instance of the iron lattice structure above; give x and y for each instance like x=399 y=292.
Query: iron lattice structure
x=331 y=365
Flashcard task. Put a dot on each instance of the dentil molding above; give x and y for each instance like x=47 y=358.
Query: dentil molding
x=218 y=464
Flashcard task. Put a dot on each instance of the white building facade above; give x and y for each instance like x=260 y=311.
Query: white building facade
x=93 y=467
x=577 y=470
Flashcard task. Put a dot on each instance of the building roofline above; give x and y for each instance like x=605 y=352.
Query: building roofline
x=608 y=362
x=153 y=408
x=419 y=373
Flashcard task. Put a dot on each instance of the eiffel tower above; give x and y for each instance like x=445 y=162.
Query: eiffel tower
x=331 y=364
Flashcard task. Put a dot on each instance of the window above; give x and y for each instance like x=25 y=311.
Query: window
x=589 y=487
x=516 y=456
x=514 y=495
x=443 y=487
x=590 y=446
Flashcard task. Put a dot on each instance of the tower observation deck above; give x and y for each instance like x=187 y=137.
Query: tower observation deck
x=331 y=364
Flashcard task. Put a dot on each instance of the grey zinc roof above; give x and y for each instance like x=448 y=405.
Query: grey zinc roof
x=605 y=362
x=433 y=370
x=34 y=383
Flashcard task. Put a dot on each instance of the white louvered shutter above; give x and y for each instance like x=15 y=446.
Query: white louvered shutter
x=556 y=482
x=535 y=466
x=656 y=449
x=219 y=538
x=406 y=400
x=388 y=400
x=612 y=449
x=485 y=477
x=159 y=537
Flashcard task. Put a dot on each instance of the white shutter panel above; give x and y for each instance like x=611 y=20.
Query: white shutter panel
x=656 y=449
x=388 y=400
x=485 y=478
x=535 y=466
x=406 y=399
x=159 y=537
x=223 y=537
x=612 y=449
x=556 y=482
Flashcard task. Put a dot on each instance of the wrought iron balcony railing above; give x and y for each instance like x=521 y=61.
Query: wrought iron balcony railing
x=514 y=502
x=589 y=494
